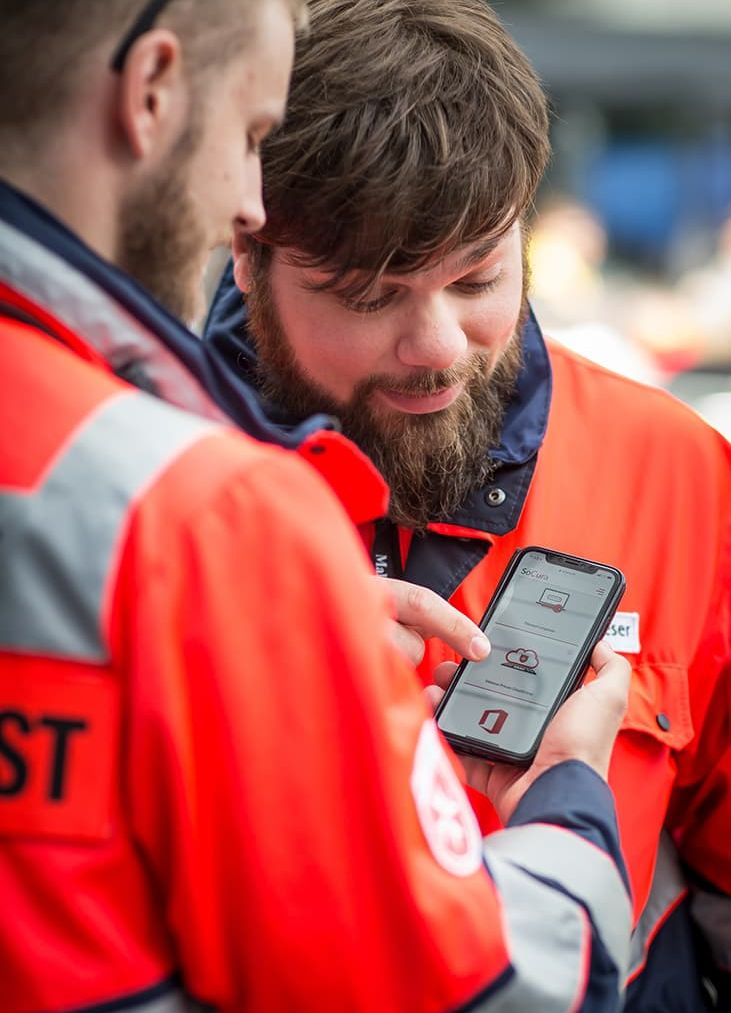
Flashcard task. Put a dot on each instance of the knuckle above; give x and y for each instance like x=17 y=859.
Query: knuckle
x=459 y=625
x=418 y=598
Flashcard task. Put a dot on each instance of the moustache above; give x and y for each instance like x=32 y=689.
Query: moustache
x=426 y=383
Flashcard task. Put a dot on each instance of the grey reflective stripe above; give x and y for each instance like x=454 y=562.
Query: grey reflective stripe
x=173 y=1001
x=547 y=937
x=58 y=541
x=668 y=885
x=712 y=912
x=87 y=310
x=583 y=870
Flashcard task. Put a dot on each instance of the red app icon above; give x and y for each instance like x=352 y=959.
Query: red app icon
x=493 y=721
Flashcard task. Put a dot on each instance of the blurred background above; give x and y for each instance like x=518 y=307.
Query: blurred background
x=631 y=248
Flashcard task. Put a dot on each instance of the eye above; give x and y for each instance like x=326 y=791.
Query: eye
x=367 y=305
x=478 y=287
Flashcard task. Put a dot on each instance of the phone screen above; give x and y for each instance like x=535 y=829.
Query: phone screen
x=538 y=631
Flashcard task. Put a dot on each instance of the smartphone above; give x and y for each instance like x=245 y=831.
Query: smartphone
x=547 y=614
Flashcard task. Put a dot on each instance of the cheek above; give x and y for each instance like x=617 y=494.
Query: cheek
x=492 y=325
x=223 y=181
x=213 y=191
x=329 y=349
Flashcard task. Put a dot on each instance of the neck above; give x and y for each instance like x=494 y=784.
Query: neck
x=78 y=189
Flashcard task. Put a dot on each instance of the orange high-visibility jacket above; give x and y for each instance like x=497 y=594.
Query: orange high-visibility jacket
x=215 y=777
x=629 y=476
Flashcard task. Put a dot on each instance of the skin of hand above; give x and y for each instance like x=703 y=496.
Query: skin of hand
x=584 y=728
x=421 y=614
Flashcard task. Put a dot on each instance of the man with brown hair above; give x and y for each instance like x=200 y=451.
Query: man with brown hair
x=220 y=786
x=388 y=288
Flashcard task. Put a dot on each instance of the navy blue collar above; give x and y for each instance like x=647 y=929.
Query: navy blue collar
x=526 y=417
x=44 y=261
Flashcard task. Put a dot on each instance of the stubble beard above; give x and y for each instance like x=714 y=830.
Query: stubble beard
x=431 y=462
x=162 y=241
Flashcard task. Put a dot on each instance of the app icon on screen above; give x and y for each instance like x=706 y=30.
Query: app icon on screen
x=552 y=599
x=522 y=658
x=492 y=721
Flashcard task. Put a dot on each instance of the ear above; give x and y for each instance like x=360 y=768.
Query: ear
x=153 y=93
x=242 y=264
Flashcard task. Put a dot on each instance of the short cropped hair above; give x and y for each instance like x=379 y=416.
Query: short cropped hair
x=413 y=127
x=44 y=46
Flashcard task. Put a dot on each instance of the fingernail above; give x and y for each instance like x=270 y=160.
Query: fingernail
x=480 y=647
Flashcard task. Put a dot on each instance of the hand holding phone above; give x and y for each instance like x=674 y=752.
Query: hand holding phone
x=584 y=728
x=544 y=620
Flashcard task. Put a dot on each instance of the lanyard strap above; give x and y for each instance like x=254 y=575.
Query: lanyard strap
x=387 y=550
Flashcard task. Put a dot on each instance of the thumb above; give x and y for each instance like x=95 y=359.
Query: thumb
x=613 y=675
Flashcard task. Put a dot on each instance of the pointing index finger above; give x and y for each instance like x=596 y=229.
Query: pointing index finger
x=432 y=616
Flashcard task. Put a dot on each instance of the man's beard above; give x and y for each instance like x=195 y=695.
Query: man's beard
x=431 y=462
x=162 y=242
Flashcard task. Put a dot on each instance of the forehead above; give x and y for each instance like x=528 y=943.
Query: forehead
x=262 y=70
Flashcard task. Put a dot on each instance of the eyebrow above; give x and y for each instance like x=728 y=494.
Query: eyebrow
x=479 y=253
x=342 y=286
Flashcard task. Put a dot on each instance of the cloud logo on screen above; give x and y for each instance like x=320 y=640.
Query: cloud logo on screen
x=522 y=657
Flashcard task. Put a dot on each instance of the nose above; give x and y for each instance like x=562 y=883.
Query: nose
x=252 y=215
x=432 y=338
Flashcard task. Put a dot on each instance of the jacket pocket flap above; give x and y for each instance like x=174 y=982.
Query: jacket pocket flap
x=659 y=704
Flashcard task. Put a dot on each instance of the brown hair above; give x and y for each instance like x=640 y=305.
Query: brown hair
x=45 y=46
x=414 y=127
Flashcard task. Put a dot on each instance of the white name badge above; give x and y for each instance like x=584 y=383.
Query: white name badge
x=623 y=634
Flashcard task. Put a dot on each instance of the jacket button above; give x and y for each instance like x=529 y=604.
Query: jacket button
x=495 y=497
x=663 y=722
x=317 y=448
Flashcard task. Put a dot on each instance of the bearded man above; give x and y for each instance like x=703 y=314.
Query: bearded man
x=389 y=289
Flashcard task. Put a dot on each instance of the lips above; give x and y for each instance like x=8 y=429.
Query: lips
x=421 y=404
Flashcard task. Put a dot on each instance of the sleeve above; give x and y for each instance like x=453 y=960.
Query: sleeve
x=304 y=825
x=564 y=832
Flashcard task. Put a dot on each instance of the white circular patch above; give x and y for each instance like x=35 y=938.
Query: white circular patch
x=445 y=814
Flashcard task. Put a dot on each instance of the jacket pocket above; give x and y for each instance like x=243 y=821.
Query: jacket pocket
x=643 y=769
